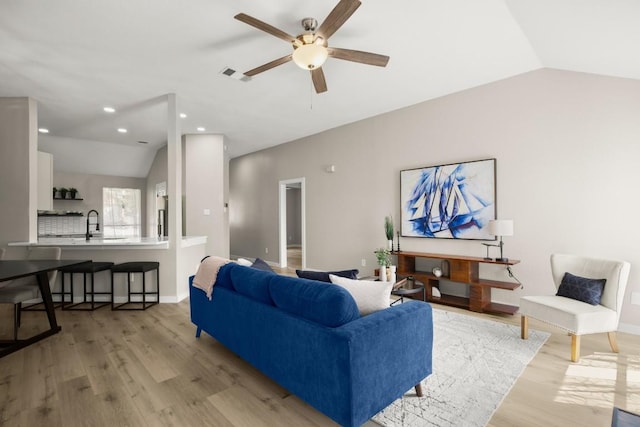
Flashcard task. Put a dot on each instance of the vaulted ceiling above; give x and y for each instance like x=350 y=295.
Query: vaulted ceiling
x=75 y=57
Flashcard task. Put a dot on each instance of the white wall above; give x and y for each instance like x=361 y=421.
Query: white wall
x=96 y=157
x=567 y=148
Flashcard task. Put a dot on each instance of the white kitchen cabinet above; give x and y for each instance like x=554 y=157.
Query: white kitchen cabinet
x=45 y=181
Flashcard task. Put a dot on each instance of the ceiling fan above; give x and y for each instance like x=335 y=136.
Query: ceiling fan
x=311 y=49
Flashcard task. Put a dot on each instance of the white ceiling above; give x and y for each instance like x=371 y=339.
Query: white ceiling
x=75 y=57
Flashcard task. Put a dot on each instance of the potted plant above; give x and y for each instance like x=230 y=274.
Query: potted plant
x=382 y=255
x=388 y=231
x=63 y=192
x=73 y=192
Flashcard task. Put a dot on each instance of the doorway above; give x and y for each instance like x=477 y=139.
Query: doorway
x=292 y=224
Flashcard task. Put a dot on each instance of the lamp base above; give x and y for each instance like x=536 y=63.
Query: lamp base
x=502 y=259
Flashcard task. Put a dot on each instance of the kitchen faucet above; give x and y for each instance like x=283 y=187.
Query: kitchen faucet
x=88 y=235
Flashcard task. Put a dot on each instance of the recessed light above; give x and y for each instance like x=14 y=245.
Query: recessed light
x=43 y=130
x=183 y=116
x=109 y=110
x=200 y=129
x=122 y=130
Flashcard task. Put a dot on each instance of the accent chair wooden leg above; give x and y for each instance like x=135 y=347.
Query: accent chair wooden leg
x=575 y=348
x=418 y=388
x=524 y=327
x=613 y=341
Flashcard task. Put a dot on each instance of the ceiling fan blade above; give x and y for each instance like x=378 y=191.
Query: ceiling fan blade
x=338 y=16
x=317 y=75
x=268 y=66
x=265 y=27
x=358 y=56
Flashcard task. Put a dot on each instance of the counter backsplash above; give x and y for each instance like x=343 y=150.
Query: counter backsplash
x=62 y=226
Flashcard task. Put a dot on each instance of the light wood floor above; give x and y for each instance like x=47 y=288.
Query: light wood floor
x=147 y=369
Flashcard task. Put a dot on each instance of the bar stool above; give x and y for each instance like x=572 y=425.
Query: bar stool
x=136 y=267
x=89 y=268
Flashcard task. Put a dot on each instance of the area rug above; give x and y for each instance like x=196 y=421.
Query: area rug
x=475 y=363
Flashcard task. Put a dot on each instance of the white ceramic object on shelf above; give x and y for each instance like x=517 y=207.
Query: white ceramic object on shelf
x=383 y=273
x=437 y=271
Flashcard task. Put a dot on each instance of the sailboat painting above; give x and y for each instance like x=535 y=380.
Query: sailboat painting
x=454 y=201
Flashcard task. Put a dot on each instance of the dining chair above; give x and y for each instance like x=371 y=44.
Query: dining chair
x=25 y=289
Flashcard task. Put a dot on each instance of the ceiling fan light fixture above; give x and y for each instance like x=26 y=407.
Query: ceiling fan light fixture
x=310 y=56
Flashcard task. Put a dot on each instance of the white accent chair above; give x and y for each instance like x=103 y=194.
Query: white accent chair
x=577 y=317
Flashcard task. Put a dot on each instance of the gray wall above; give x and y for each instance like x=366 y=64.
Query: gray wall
x=90 y=190
x=567 y=151
x=18 y=170
x=157 y=173
x=205 y=183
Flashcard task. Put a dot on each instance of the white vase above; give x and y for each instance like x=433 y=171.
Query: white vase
x=383 y=273
x=392 y=276
x=390 y=245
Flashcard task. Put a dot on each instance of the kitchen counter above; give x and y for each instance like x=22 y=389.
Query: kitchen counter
x=112 y=243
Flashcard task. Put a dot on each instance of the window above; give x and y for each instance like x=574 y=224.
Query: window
x=121 y=212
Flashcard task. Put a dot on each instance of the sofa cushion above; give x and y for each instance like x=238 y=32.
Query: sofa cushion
x=370 y=295
x=223 y=279
x=323 y=276
x=581 y=288
x=319 y=302
x=252 y=283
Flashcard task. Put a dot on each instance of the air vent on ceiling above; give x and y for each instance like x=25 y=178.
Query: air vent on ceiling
x=230 y=72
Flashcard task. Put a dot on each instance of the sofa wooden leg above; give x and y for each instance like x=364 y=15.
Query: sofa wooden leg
x=418 y=388
x=524 y=327
x=575 y=348
x=613 y=341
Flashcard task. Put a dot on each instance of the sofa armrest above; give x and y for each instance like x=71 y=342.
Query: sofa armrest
x=390 y=353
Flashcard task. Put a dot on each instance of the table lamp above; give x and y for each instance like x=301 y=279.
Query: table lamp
x=500 y=228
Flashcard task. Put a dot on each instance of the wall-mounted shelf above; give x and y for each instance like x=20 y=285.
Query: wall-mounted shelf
x=461 y=269
x=66 y=198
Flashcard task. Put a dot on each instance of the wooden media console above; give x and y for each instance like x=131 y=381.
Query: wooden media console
x=461 y=269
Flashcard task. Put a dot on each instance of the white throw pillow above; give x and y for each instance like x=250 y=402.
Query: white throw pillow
x=370 y=295
x=245 y=262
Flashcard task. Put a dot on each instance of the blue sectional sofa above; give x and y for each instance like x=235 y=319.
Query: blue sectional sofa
x=308 y=337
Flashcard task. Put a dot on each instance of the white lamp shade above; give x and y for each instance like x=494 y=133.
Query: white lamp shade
x=501 y=227
x=310 y=56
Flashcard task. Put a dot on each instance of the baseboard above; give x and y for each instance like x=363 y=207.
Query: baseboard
x=629 y=329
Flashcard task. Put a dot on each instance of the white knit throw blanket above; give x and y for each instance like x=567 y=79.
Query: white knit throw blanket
x=208 y=272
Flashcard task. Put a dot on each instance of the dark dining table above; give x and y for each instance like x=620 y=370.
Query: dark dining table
x=15 y=269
